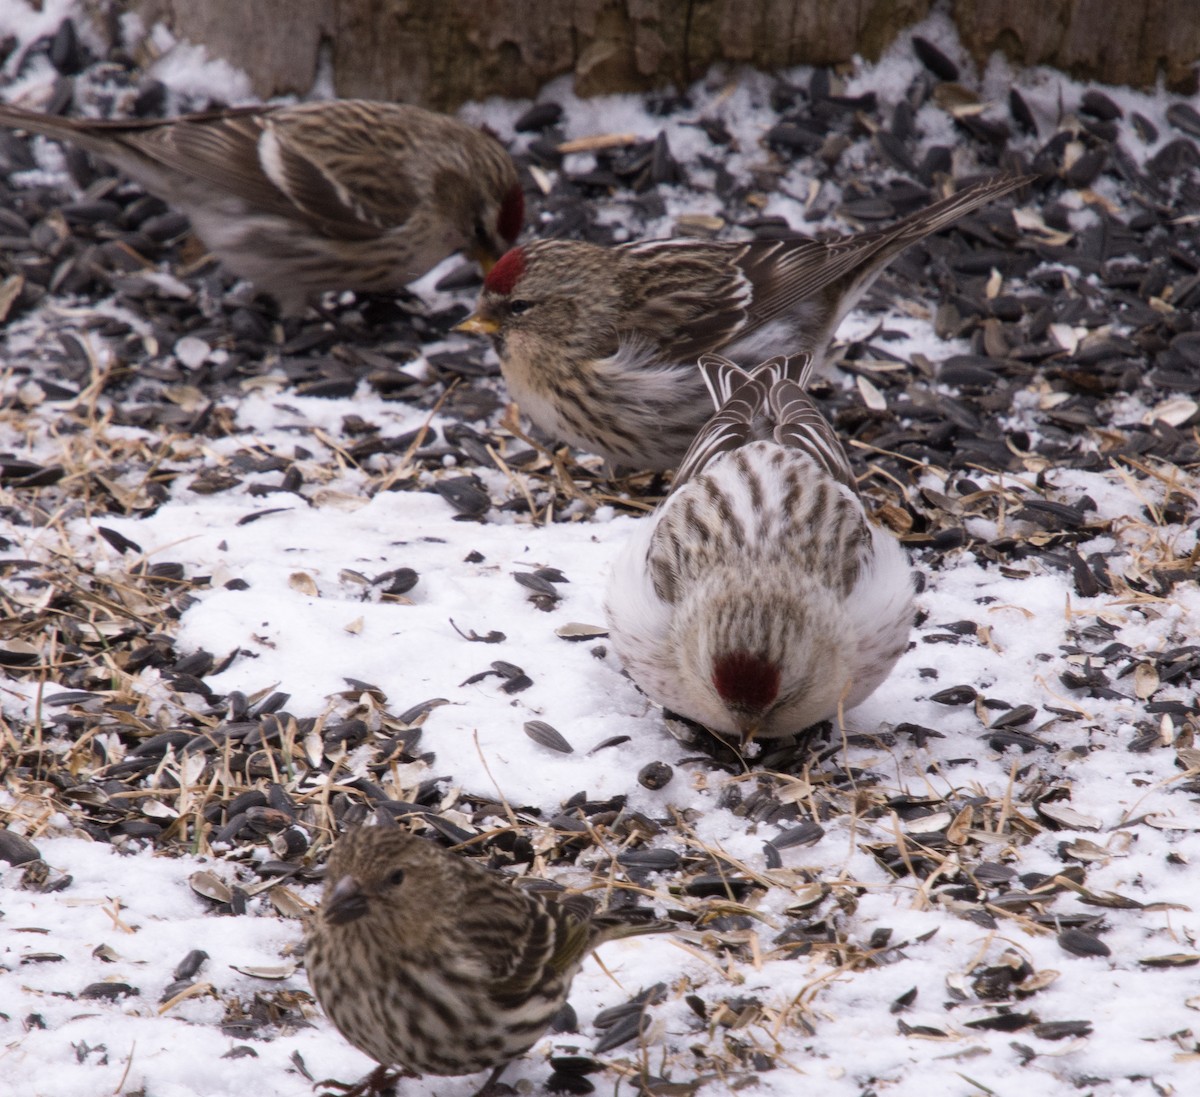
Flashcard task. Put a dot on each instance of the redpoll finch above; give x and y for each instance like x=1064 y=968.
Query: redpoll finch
x=348 y=194
x=427 y=961
x=758 y=598
x=599 y=345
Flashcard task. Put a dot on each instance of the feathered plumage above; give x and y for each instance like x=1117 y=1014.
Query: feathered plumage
x=345 y=194
x=758 y=598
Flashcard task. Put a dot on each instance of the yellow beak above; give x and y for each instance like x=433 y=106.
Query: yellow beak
x=478 y=325
x=485 y=257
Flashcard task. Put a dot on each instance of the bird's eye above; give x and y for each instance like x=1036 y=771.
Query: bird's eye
x=395 y=878
x=482 y=236
x=517 y=307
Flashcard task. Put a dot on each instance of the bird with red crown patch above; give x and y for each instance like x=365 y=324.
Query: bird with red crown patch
x=599 y=345
x=759 y=599
x=348 y=194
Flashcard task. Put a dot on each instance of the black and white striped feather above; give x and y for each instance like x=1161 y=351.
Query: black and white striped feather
x=767 y=402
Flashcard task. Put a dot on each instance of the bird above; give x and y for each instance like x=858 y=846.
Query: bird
x=758 y=599
x=598 y=345
x=348 y=194
x=429 y=962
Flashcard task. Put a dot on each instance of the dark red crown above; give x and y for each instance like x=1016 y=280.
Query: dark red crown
x=506 y=273
x=512 y=214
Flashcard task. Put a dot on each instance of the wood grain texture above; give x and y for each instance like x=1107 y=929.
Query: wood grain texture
x=440 y=53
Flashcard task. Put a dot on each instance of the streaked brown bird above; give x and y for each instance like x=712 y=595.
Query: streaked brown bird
x=346 y=194
x=599 y=345
x=430 y=963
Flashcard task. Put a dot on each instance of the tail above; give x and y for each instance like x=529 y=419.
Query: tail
x=611 y=925
x=744 y=400
x=48 y=125
x=577 y=930
x=924 y=222
x=724 y=378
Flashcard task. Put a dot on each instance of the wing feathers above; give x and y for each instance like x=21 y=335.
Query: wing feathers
x=767 y=402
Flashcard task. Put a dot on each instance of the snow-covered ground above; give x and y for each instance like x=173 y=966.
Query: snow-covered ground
x=1028 y=887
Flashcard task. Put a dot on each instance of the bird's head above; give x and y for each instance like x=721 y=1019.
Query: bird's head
x=380 y=872
x=747 y=682
x=545 y=293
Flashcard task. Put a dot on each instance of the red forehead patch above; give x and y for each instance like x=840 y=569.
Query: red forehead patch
x=506 y=273
x=745 y=681
x=512 y=214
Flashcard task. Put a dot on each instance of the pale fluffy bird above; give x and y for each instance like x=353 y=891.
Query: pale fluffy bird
x=759 y=599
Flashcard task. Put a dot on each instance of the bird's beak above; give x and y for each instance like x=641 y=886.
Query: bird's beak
x=346 y=903
x=478 y=325
x=485 y=257
x=748 y=734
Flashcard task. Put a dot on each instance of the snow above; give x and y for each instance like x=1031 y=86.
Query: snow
x=310 y=618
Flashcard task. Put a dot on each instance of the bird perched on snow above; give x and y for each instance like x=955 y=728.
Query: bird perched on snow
x=346 y=194
x=758 y=598
x=599 y=345
x=431 y=963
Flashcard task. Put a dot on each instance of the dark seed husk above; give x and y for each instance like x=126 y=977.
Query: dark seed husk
x=1060 y=1030
x=934 y=59
x=1080 y=943
x=1004 y=1022
x=190 y=964
x=794 y=137
x=655 y=775
x=109 y=991
x=718 y=886
x=807 y=833
x=16 y=849
x=1145 y=129
x=1021 y=114
x=536 y=583
x=989 y=872
x=560 y=1082
x=955 y=695
x=545 y=735
x=620 y=1031
x=465 y=494
x=650 y=860
x=1014 y=717
x=611 y=741
x=397 y=581
x=539 y=117
x=1099 y=105
x=1184 y=117
x=575 y=1064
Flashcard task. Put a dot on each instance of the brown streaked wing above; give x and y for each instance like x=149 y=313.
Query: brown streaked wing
x=218 y=148
x=355 y=184
x=517 y=962
x=787 y=271
x=690 y=291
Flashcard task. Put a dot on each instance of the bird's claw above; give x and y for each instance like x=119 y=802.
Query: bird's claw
x=381 y=1082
